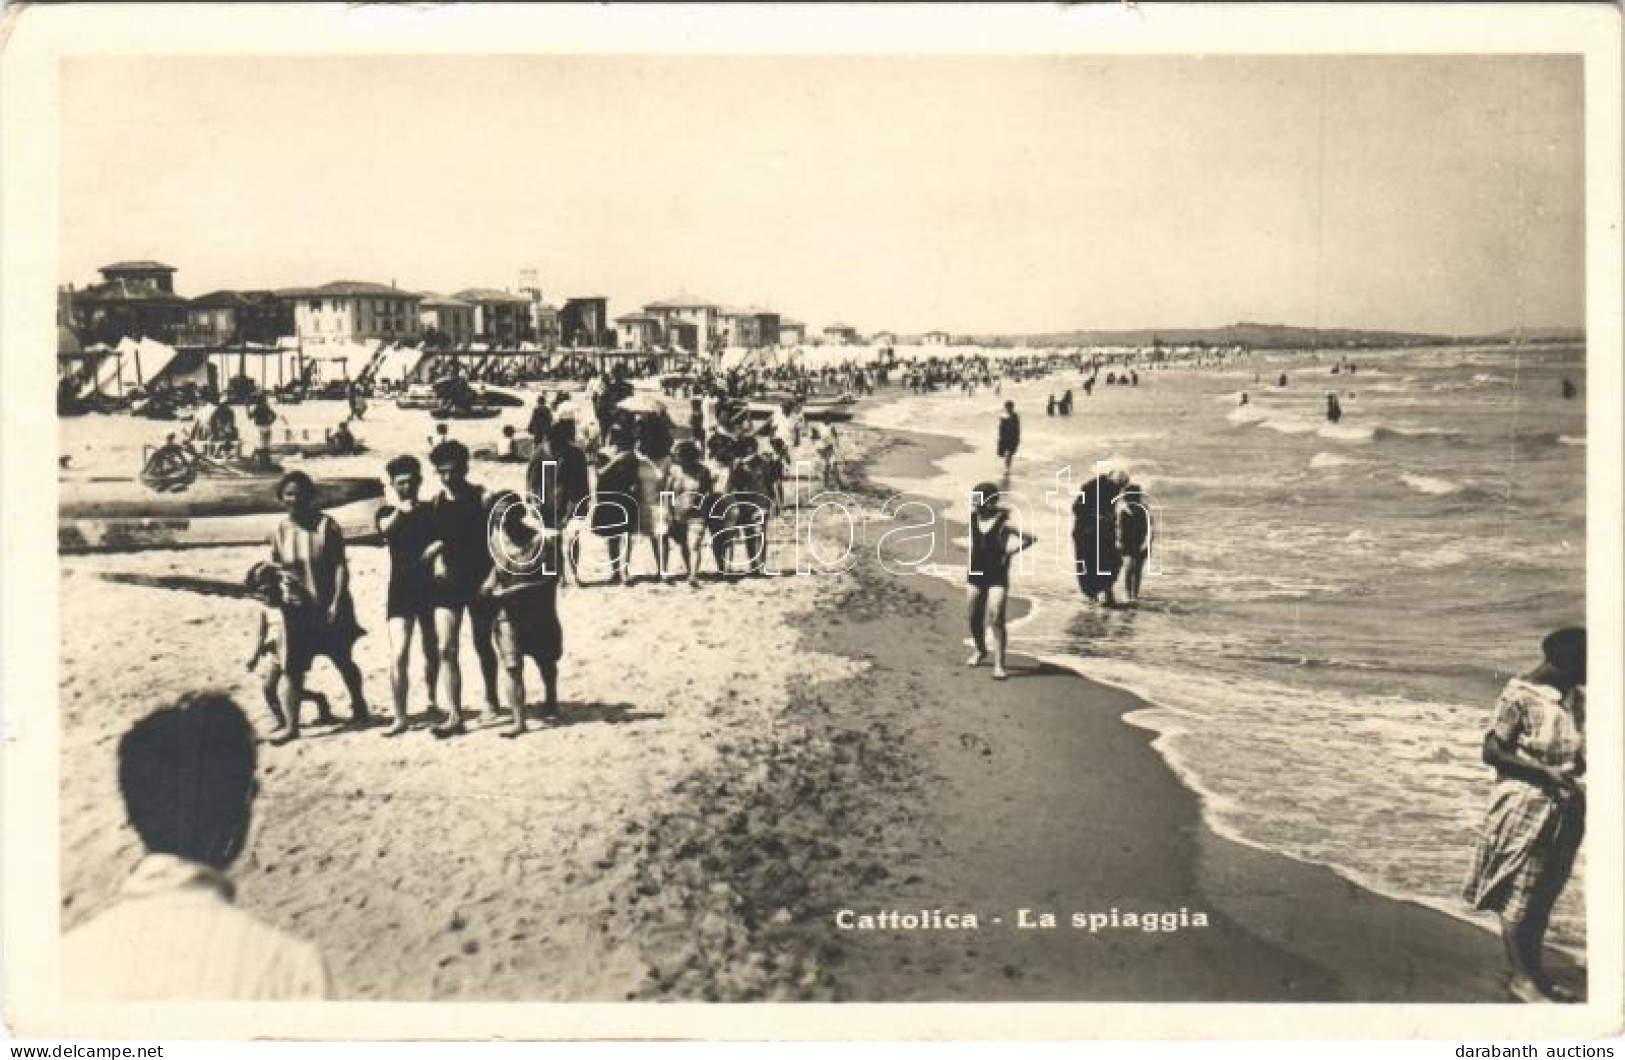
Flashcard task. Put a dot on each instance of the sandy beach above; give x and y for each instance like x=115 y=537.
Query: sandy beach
x=737 y=765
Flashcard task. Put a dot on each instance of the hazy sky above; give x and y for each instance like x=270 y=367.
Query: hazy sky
x=976 y=194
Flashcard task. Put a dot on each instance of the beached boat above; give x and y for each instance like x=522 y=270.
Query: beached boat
x=418 y=396
x=478 y=412
x=829 y=410
x=119 y=515
x=815 y=410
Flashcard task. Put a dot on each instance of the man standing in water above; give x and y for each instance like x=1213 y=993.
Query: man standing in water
x=1009 y=435
x=1094 y=538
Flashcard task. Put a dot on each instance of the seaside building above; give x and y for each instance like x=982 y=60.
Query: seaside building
x=638 y=331
x=544 y=318
x=584 y=323
x=792 y=332
x=934 y=338
x=752 y=328
x=501 y=318
x=155 y=273
x=689 y=323
x=447 y=321
x=232 y=318
x=348 y=311
x=136 y=300
x=841 y=334
x=883 y=338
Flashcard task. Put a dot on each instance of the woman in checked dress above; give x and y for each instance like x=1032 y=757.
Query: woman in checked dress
x=1536 y=816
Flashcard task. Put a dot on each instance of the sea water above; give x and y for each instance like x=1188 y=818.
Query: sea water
x=1331 y=609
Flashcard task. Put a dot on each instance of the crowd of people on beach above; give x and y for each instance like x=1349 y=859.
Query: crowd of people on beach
x=710 y=495
x=493 y=562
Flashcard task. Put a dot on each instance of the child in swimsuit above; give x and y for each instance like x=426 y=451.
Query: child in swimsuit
x=277 y=589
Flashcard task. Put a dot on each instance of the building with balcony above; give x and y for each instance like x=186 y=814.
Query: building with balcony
x=232 y=318
x=155 y=273
x=348 y=311
x=584 y=323
x=446 y=321
x=841 y=335
x=501 y=318
x=639 y=332
x=124 y=308
x=689 y=323
x=752 y=328
x=935 y=338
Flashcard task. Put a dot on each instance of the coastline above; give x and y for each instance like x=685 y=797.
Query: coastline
x=1282 y=928
x=803 y=746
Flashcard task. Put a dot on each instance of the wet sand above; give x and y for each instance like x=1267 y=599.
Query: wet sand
x=738 y=763
x=1040 y=796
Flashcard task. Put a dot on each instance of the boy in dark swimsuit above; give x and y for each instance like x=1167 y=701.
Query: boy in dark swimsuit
x=409 y=530
x=461 y=560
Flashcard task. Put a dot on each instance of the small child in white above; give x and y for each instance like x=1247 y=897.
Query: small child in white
x=277 y=590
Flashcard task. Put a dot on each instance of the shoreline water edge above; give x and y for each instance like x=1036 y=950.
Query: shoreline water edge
x=811 y=798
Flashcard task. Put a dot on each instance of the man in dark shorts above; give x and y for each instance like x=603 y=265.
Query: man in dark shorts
x=409 y=530
x=460 y=559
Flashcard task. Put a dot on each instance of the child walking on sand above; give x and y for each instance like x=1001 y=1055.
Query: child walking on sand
x=993 y=541
x=278 y=590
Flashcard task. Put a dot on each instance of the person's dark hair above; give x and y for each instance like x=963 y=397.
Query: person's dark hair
x=1565 y=651
x=450 y=451
x=563 y=432
x=289 y=478
x=187 y=776
x=1009 y=406
x=405 y=464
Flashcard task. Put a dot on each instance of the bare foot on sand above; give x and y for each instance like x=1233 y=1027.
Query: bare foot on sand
x=976 y=659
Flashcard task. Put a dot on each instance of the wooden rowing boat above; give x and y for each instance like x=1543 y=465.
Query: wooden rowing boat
x=102 y=515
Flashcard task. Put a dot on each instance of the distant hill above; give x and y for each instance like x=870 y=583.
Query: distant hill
x=1276 y=336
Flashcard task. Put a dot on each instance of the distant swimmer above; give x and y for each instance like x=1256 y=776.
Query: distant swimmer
x=1569 y=389
x=1244 y=398
x=1049 y=406
x=1134 y=379
x=1281 y=381
x=1065 y=405
x=1334 y=410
